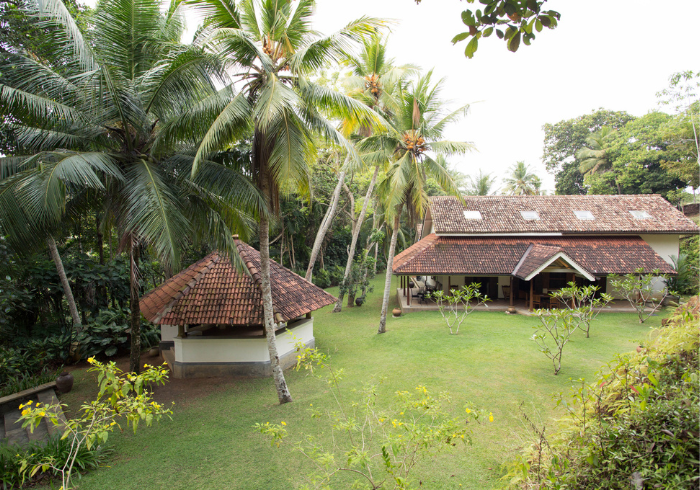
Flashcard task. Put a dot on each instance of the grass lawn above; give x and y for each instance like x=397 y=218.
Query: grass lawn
x=210 y=442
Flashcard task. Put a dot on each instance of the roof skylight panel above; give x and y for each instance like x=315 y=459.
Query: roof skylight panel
x=640 y=214
x=584 y=215
x=530 y=215
x=472 y=214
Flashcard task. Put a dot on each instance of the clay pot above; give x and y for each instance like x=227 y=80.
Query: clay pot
x=359 y=301
x=154 y=351
x=396 y=312
x=64 y=382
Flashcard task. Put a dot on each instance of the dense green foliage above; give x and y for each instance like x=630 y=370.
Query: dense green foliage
x=636 y=426
x=11 y=458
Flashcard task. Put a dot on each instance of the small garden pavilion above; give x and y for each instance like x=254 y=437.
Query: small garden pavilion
x=211 y=316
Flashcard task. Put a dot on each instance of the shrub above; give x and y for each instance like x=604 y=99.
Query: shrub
x=378 y=446
x=122 y=397
x=108 y=334
x=638 y=289
x=11 y=458
x=25 y=382
x=635 y=427
x=686 y=281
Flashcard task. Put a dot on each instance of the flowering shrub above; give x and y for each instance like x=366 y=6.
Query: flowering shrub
x=635 y=427
x=379 y=446
x=122 y=397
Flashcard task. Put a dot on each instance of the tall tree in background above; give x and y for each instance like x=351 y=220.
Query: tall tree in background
x=638 y=152
x=521 y=182
x=596 y=157
x=564 y=139
x=481 y=185
x=112 y=116
x=417 y=128
x=272 y=48
x=683 y=131
x=376 y=83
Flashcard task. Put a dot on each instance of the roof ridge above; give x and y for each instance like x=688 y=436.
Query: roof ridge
x=522 y=259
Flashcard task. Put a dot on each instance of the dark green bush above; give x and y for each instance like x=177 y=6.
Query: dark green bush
x=637 y=426
x=11 y=456
x=109 y=334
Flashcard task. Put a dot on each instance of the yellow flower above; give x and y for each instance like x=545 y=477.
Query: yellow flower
x=91 y=360
x=284 y=423
x=41 y=414
x=490 y=417
x=311 y=404
x=401 y=413
x=25 y=412
x=468 y=411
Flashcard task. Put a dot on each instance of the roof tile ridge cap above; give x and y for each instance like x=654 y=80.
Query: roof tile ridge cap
x=245 y=254
x=522 y=259
x=180 y=294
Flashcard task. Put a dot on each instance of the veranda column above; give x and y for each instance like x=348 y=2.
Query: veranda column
x=532 y=281
x=511 y=291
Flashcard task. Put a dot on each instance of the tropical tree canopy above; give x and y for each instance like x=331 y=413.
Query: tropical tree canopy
x=414 y=134
x=108 y=123
x=521 y=182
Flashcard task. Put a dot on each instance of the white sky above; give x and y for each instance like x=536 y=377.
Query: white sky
x=614 y=54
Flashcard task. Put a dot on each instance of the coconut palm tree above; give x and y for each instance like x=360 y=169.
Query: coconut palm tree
x=114 y=117
x=481 y=185
x=377 y=84
x=595 y=158
x=271 y=48
x=415 y=132
x=521 y=182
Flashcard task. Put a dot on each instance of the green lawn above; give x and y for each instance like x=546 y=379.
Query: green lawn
x=210 y=442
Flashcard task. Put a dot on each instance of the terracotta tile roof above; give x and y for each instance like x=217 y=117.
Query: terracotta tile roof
x=611 y=214
x=534 y=257
x=445 y=255
x=212 y=291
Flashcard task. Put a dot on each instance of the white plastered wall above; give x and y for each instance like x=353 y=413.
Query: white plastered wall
x=168 y=333
x=665 y=246
x=202 y=349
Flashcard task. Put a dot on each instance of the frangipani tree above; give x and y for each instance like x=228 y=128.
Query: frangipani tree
x=115 y=116
x=272 y=50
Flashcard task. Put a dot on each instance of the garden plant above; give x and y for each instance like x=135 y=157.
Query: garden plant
x=122 y=397
x=456 y=306
x=378 y=446
x=583 y=303
x=638 y=289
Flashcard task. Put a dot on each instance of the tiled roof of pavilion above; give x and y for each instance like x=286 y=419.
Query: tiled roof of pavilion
x=558 y=214
x=211 y=291
x=446 y=255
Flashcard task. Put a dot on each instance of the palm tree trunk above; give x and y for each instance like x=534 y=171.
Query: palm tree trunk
x=277 y=373
x=355 y=235
x=135 y=354
x=325 y=224
x=53 y=250
x=389 y=273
